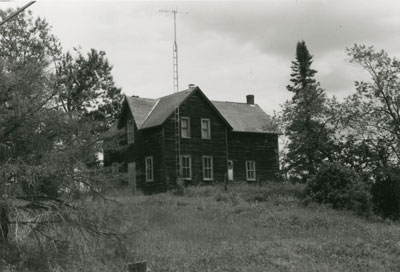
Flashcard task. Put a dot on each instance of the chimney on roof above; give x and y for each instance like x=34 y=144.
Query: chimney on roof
x=250 y=99
x=192 y=86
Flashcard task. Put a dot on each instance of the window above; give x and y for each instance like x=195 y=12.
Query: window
x=208 y=173
x=130 y=131
x=114 y=168
x=186 y=167
x=205 y=129
x=185 y=127
x=149 y=168
x=251 y=170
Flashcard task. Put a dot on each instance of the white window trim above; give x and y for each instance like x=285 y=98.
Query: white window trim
x=249 y=170
x=208 y=127
x=188 y=127
x=130 y=131
x=190 y=166
x=211 y=167
x=152 y=168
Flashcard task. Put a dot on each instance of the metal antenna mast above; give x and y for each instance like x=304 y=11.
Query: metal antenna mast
x=176 y=90
x=175 y=57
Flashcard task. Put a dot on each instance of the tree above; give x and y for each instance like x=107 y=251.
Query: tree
x=371 y=118
x=26 y=40
x=26 y=49
x=302 y=75
x=374 y=110
x=44 y=153
x=305 y=119
x=87 y=87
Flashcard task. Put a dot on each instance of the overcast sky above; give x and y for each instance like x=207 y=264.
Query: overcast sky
x=227 y=48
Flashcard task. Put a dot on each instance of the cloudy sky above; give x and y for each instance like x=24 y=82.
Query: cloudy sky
x=227 y=48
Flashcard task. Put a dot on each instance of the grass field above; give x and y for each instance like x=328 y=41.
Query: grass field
x=251 y=229
x=245 y=229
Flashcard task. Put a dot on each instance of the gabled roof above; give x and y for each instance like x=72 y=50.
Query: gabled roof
x=241 y=117
x=164 y=107
x=244 y=117
x=140 y=108
x=153 y=112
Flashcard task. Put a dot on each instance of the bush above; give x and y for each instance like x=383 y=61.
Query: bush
x=386 y=193
x=341 y=187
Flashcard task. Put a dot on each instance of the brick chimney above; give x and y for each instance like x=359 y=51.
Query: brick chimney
x=250 y=99
x=192 y=86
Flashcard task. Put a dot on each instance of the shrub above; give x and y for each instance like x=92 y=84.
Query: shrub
x=341 y=187
x=386 y=193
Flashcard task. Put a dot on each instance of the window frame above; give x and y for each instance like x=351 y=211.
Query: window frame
x=188 y=136
x=249 y=170
x=147 y=168
x=189 y=167
x=207 y=128
x=211 y=167
x=130 y=131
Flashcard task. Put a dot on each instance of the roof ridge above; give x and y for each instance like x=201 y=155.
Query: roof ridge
x=174 y=93
x=233 y=102
x=148 y=98
x=135 y=96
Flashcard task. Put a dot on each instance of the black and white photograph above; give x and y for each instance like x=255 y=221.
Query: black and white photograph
x=185 y=136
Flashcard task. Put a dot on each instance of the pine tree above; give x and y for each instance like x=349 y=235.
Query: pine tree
x=302 y=75
x=304 y=119
x=46 y=157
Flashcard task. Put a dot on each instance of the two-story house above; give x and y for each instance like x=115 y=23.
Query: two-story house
x=217 y=140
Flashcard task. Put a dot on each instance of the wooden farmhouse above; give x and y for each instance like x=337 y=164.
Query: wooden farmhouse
x=217 y=140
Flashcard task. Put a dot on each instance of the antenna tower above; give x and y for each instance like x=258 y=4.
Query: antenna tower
x=176 y=90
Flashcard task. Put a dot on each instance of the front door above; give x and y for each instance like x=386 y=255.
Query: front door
x=132 y=176
x=230 y=170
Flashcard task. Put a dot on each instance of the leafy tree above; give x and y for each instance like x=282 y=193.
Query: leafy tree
x=26 y=40
x=374 y=110
x=305 y=119
x=87 y=87
x=371 y=118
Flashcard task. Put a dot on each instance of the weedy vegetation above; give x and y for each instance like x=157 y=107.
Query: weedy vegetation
x=247 y=228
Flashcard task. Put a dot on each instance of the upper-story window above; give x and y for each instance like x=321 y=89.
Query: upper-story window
x=185 y=127
x=130 y=131
x=205 y=128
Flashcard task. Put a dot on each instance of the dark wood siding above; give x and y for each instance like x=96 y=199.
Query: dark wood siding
x=124 y=153
x=153 y=146
x=159 y=142
x=117 y=148
x=197 y=107
x=261 y=148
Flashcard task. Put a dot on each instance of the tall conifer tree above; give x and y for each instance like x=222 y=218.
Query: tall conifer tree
x=302 y=75
x=304 y=118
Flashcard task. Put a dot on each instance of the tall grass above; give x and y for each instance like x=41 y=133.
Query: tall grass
x=247 y=228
